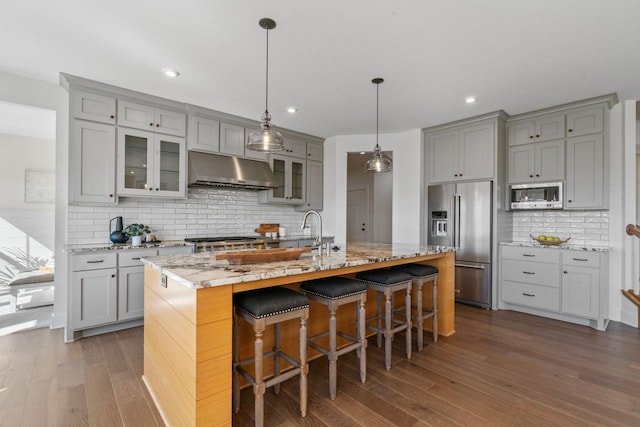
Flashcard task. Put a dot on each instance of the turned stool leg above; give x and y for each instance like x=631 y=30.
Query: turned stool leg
x=259 y=387
x=362 y=338
x=407 y=304
x=419 y=317
x=304 y=366
x=333 y=349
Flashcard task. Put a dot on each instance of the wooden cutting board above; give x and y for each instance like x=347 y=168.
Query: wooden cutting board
x=255 y=256
x=267 y=228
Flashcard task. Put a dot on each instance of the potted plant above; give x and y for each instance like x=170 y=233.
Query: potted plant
x=135 y=231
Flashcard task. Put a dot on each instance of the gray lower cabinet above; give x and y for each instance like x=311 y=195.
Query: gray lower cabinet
x=107 y=289
x=563 y=284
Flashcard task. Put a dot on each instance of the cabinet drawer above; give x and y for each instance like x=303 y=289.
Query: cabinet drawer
x=531 y=295
x=131 y=258
x=531 y=254
x=581 y=258
x=539 y=273
x=93 y=261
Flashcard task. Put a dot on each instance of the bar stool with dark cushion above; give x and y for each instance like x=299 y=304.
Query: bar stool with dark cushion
x=334 y=292
x=387 y=282
x=261 y=308
x=423 y=274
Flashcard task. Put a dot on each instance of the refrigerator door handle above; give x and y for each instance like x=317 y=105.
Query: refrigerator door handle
x=477 y=267
x=456 y=219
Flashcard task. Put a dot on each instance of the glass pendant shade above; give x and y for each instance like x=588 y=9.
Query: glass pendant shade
x=379 y=163
x=265 y=140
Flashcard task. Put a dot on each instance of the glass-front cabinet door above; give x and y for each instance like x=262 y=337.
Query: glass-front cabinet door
x=150 y=164
x=169 y=166
x=290 y=181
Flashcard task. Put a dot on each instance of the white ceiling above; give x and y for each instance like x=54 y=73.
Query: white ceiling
x=513 y=55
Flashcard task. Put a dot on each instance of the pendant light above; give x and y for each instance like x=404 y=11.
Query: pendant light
x=379 y=163
x=266 y=139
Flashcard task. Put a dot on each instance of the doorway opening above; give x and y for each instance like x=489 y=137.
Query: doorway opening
x=369 y=201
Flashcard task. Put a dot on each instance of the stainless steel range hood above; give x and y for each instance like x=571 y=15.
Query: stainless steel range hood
x=232 y=172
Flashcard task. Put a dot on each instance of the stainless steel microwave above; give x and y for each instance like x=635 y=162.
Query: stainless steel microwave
x=547 y=195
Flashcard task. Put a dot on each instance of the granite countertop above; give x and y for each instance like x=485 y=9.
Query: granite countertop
x=562 y=246
x=200 y=271
x=123 y=246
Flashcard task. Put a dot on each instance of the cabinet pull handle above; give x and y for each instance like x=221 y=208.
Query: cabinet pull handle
x=97 y=261
x=565 y=272
x=528 y=295
x=580 y=259
x=528 y=272
x=136 y=258
x=529 y=255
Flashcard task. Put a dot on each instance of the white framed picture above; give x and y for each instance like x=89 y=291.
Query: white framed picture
x=39 y=186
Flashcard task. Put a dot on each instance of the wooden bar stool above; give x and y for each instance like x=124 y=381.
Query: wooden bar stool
x=334 y=292
x=263 y=307
x=387 y=282
x=423 y=274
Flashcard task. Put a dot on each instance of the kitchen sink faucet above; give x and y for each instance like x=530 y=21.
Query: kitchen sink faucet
x=318 y=241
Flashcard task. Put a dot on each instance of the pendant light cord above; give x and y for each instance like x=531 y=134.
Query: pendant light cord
x=266 y=89
x=377 y=115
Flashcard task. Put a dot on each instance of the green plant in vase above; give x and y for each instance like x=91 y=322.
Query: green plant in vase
x=136 y=231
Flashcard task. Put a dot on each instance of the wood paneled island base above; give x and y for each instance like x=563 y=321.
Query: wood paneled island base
x=188 y=319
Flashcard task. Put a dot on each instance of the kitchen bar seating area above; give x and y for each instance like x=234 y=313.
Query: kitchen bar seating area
x=188 y=300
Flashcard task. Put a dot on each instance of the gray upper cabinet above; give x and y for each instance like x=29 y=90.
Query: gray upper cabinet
x=92 y=163
x=290 y=175
x=94 y=107
x=315 y=151
x=538 y=162
x=585 y=172
x=231 y=139
x=145 y=117
x=585 y=121
x=314 y=186
x=543 y=128
x=204 y=134
x=295 y=148
x=462 y=153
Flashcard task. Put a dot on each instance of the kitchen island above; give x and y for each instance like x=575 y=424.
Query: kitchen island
x=188 y=318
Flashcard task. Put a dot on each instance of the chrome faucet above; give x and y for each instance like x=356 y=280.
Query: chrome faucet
x=318 y=241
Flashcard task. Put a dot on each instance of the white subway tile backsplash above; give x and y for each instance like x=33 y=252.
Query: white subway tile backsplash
x=584 y=227
x=206 y=212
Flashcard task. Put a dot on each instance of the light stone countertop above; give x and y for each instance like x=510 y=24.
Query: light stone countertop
x=98 y=247
x=562 y=246
x=200 y=271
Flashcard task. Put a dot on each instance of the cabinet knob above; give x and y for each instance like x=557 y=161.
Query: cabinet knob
x=113 y=275
x=157 y=189
x=565 y=272
x=150 y=124
x=112 y=116
x=110 y=195
x=158 y=125
x=570 y=130
x=531 y=137
x=570 y=201
x=455 y=174
x=537 y=174
x=460 y=174
x=537 y=136
x=530 y=176
x=150 y=189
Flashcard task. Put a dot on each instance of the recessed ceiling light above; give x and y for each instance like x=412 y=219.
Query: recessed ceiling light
x=470 y=99
x=170 y=72
x=292 y=110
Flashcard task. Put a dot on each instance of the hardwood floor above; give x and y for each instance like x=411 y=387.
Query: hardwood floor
x=501 y=368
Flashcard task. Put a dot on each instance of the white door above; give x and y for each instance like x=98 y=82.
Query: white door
x=358 y=220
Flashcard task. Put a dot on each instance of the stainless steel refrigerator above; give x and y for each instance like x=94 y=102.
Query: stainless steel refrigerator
x=459 y=215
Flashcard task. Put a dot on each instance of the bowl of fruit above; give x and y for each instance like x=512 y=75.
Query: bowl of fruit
x=549 y=240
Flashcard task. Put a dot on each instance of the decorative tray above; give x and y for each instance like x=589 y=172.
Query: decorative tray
x=550 y=242
x=255 y=256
